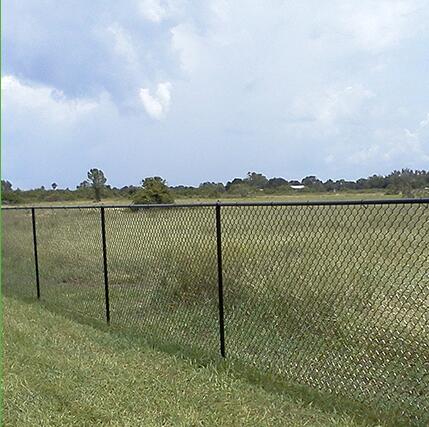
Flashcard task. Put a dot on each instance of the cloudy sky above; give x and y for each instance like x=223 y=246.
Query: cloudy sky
x=196 y=91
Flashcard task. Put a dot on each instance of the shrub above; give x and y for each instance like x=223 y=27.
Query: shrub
x=154 y=190
x=10 y=197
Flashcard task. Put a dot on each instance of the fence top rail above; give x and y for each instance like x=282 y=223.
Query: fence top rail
x=230 y=204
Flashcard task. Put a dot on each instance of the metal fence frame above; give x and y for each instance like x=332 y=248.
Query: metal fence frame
x=217 y=242
x=217 y=206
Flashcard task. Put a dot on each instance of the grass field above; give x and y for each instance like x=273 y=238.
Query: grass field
x=335 y=298
x=297 y=196
x=61 y=373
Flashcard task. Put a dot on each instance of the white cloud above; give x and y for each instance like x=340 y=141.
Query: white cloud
x=123 y=44
x=333 y=105
x=424 y=122
x=221 y=9
x=376 y=25
x=46 y=134
x=157 y=105
x=396 y=146
x=291 y=85
x=188 y=45
x=153 y=10
x=343 y=104
x=157 y=11
x=44 y=102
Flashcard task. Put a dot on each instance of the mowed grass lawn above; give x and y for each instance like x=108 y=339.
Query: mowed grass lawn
x=58 y=372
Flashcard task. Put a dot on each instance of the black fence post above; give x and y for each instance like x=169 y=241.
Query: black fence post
x=220 y=281
x=36 y=259
x=106 y=276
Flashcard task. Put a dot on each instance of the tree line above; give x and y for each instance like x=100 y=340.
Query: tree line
x=406 y=182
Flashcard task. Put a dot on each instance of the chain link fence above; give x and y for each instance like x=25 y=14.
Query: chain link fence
x=332 y=295
x=18 y=274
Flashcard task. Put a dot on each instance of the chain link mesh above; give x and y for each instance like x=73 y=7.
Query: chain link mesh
x=18 y=267
x=335 y=297
x=162 y=273
x=71 y=260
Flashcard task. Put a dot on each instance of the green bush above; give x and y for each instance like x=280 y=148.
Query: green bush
x=10 y=197
x=154 y=190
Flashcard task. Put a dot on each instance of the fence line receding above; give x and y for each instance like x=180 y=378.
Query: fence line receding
x=332 y=295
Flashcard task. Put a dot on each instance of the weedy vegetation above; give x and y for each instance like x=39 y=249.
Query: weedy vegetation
x=331 y=297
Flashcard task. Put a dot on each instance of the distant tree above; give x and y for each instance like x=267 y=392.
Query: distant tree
x=330 y=185
x=211 y=189
x=403 y=182
x=97 y=181
x=83 y=184
x=276 y=183
x=375 y=181
x=154 y=190
x=256 y=180
x=243 y=189
x=6 y=186
x=54 y=186
x=342 y=184
x=236 y=181
x=187 y=191
x=7 y=193
x=239 y=186
x=128 y=190
x=310 y=180
x=313 y=183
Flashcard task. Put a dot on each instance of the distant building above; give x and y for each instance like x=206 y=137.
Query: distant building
x=297 y=187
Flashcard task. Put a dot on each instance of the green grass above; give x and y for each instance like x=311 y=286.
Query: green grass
x=334 y=298
x=85 y=202
x=296 y=196
x=61 y=373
